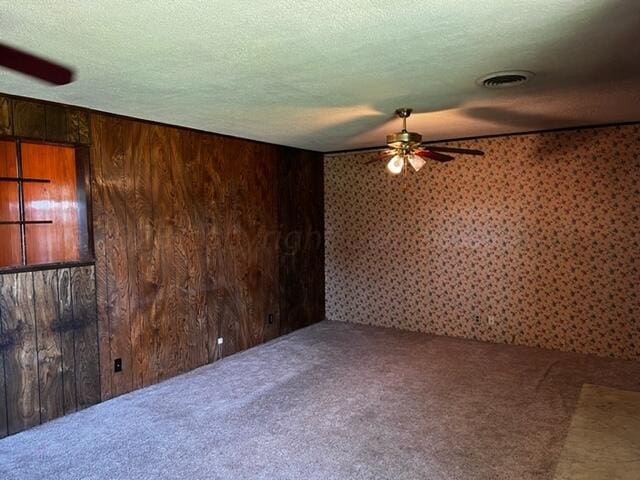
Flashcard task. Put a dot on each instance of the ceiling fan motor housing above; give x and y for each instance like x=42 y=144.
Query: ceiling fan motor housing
x=404 y=139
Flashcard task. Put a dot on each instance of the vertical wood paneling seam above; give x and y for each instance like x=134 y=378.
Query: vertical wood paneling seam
x=106 y=280
x=35 y=330
x=90 y=166
x=73 y=320
x=58 y=319
x=176 y=290
x=154 y=225
x=126 y=236
x=95 y=295
x=73 y=341
x=123 y=182
x=4 y=377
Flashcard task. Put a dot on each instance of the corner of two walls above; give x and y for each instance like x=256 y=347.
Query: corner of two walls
x=198 y=237
x=537 y=243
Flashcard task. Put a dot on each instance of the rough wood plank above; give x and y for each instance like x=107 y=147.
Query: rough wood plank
x=196 y=253
x=6 y=117
x=56 y=124
x=113 y=186
x=225 y=240
x=4 y=340
x=206 y=260
x=67 y=340
x=20 y=358
x=262 y=177
x=182 y=247
x=73 y=120
x=45 y=284
x=139 y=238
x=28 y=119
x=211 y=181
x=186 y=249
x=86 y=336
x=84 y=127
x=98 y=154
x=163 y=348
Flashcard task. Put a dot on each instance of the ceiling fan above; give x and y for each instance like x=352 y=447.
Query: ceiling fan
x=34 y=66
x=407 y=148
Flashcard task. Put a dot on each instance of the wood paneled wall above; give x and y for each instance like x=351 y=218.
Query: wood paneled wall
x=301 y=259
x=48 y=346
x=38 y=120
x=193 y=243
x=197 y=237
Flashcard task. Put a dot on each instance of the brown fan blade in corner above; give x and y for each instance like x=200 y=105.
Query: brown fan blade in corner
x=461 y=151
x=440 y=157
x=34 y=66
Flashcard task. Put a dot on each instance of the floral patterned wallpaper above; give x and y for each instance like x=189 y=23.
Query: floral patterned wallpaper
x=536 y=243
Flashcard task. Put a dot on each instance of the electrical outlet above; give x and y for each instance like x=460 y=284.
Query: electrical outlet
x=220 y=340
x=477 y=318
x=117 y=365
x=270 y=319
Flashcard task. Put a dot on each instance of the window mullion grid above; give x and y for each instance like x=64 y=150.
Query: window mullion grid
x=23 y=241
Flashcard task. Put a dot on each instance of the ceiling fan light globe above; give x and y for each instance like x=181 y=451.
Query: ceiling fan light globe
x=395 y=165
x=417 y=162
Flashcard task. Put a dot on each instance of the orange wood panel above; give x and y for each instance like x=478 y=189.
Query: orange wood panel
x=8 y=166
x=56 y=201
x=10 y=254
x=9 y=209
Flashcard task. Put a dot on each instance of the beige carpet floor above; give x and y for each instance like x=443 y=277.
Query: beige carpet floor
x=341 y=401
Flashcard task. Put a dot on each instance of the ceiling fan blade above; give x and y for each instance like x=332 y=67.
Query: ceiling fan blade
x=384 y=155
x=440 y=157
x=462 y=151
x=34 y=66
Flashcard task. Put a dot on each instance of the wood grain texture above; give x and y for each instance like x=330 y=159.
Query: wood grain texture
x=84 y=127
x=56 y=125
x=188 y=231
x=17 y=316
x=197 y=257
x=3 y=394
x=139 y=239
x=196 y=217
x=48 y=345
x=6 y=116
x=11 y=251
x=206 y=152
x=73 y=122
x=228 y=242
x=190 y=257
x=87 y=372
x=67 y=340
x=262 y=281
x=300 y=180
x=164 y=340
x=113 y=281
x=183 y=246
x=28 y=119
x=56 y=201
x=49 y=348
x=98 y=156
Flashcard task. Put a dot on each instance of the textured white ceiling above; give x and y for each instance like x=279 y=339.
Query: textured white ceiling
x=327 y=74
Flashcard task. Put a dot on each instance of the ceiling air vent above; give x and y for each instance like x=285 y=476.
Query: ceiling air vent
x=505 y=79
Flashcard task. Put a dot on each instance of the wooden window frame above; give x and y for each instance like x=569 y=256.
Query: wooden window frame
x=83 y=192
